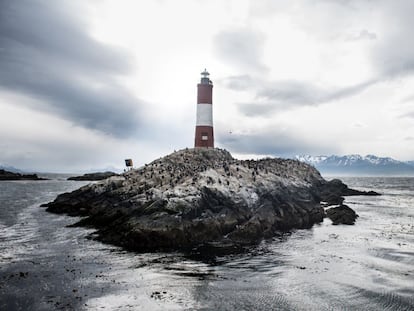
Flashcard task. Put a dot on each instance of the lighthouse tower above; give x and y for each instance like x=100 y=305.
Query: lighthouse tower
x=204 y=126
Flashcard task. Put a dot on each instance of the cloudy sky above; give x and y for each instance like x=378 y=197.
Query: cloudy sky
x=86 y=84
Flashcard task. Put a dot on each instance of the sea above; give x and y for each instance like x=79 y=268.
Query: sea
x=47 y=265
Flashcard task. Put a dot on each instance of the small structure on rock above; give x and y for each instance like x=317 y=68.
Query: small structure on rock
x=129 y=164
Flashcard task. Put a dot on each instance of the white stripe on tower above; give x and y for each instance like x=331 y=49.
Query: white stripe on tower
x=205 y=114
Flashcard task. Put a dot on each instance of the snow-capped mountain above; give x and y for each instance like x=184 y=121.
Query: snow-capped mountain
x=311 y=159
x=354 y=164
x=10 y=169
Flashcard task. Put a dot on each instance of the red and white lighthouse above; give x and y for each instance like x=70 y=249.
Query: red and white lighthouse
x=204 y=136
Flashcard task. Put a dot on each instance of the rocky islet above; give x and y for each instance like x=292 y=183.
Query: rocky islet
x=203 y=199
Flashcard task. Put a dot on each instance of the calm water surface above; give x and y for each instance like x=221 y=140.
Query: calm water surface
x=45 y=265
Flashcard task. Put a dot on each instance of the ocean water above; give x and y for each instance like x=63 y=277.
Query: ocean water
x=45 y=265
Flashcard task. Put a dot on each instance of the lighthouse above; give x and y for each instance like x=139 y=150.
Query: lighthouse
x=204 y=136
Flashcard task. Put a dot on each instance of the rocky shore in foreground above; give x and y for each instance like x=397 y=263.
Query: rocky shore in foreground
x=203 y=199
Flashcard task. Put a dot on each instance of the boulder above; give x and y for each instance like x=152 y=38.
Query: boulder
x=342 y=214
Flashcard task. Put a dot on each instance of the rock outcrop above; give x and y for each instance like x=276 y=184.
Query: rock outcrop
x=342 y=214
x=201 y=199
x=94 y=176
x=333 y=191
x=5 y=175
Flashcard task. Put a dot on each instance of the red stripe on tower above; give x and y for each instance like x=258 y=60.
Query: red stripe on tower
x=204 y=136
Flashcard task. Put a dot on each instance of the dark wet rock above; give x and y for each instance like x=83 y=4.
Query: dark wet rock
x=23 y=274
x=93 y=176
x=342 y=214
x=5 y=175
x=201 y=200
x=333 y=191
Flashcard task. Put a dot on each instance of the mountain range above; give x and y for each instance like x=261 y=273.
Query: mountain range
x=357 y=165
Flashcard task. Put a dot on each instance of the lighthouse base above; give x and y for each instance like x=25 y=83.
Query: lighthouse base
x=204 y=137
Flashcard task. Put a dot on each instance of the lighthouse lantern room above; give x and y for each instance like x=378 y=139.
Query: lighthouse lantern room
x=204 y=137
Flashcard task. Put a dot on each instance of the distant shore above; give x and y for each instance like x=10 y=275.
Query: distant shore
x=93 y=176
x=6 y=175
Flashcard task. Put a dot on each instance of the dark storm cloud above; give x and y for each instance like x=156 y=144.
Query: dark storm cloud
x=283 y=95
x=270 y=142
x=272 y=95
x=292 y=93
x=46 y=53
x=242 y=48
